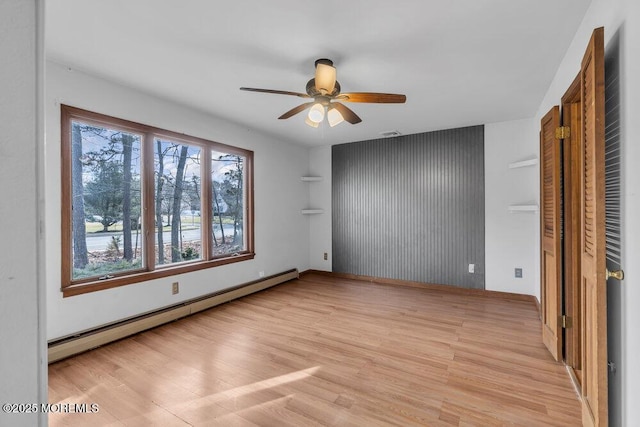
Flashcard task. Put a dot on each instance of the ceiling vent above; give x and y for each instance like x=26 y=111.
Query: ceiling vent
x=391 y=133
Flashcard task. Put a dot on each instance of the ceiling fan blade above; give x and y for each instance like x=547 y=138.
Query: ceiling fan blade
x=277 y=92
x=373 y=97
x=296 y=110
x=346 y=112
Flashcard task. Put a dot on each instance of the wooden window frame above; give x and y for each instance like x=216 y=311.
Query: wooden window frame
x=71 y=287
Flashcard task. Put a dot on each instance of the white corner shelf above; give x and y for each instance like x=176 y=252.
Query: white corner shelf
x=312 y=211
x=524 y=163
x=525 y=207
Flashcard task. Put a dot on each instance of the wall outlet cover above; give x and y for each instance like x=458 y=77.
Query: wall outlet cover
x=518 y=273
x=472 y=268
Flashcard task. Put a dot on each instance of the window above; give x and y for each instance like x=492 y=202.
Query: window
x=140 y=202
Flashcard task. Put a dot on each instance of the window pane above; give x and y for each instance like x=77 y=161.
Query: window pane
x=177 y=202
x=106 y=221
x=228 y=203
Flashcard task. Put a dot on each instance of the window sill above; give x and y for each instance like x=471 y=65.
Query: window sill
x=99 y=285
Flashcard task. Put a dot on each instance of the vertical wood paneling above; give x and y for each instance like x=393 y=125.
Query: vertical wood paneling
x=411 y=207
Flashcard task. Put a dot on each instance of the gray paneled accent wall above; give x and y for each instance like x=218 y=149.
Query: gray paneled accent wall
x=612 y=157
x=613 y=226
x=411 y=207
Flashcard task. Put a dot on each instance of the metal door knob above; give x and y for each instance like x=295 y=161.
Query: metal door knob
x=616 y=274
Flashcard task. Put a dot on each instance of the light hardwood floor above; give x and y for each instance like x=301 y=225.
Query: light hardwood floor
x=328 y=351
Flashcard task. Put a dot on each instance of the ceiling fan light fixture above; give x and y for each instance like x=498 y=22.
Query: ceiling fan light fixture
x=310 y=123
x=334 y=117
x=324 y=98
x=316 y=113
x=325 y=77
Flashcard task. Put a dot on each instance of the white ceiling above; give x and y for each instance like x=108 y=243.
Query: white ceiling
x=460 y=62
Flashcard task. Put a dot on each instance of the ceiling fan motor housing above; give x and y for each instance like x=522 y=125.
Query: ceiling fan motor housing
x=324 y=61
x=313 y=91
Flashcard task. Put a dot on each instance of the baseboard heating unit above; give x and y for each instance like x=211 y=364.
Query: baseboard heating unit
x=86 y=340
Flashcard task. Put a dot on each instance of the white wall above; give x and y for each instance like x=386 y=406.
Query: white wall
x=320 y=197
x=281 y=232
x=23 y=377
x=620 y=18
x=511 y=239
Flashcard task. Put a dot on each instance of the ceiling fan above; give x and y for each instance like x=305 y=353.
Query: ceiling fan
x=325 y=91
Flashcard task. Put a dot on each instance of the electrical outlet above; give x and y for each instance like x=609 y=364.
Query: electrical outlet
x=518 y=273
x=175 y=288
x=326 y=256
x=472 y=268
x=261 y=274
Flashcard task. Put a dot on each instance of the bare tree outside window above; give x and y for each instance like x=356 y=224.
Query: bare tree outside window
x=141 y=202
x=106 y=200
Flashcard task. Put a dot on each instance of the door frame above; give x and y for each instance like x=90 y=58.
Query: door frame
x=572 y=341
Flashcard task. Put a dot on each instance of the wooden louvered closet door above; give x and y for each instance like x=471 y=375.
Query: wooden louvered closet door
x=571 y=209
x=592 y=277
x=550 y=227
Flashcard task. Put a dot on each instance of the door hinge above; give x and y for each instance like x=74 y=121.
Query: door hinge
x=563 y=132
x=566 y=322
